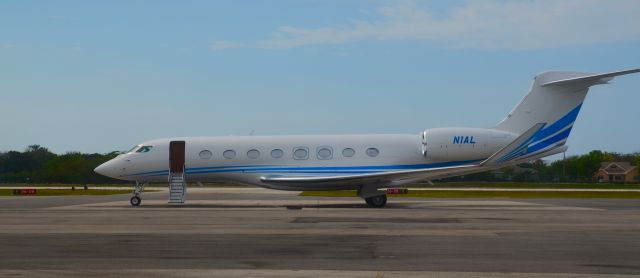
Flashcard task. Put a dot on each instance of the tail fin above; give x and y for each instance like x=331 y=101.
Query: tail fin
x=555 y=99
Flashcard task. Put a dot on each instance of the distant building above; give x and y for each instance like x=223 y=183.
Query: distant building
x=617 y=172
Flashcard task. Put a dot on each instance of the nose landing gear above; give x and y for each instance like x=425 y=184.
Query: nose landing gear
x=135 y=201
x=137 y=192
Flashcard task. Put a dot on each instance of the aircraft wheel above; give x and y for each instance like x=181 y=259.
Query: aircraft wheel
x=377 y=201
x=135 y=201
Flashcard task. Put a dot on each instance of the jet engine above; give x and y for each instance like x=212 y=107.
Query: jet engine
x=451 y=144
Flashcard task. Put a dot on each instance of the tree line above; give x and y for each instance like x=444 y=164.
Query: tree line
x=36 y=164
x=572 y=169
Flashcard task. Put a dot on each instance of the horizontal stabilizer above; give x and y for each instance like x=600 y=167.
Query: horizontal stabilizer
x=590 y=80
x=518 y=145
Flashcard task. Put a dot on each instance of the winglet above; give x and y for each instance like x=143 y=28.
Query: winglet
x=593 y=79
x=515 y=147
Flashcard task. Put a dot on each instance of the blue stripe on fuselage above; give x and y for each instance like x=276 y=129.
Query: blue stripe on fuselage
x=315 y=169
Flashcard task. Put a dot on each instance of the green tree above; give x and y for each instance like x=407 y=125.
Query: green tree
x=38 y=164
x=76 y=167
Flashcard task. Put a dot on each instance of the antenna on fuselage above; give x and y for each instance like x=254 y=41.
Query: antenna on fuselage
x=252 y=131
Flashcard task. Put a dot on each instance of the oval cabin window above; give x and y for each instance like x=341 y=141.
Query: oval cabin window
x=277 y=153
x=348 y=152
x=373 y=152
x=300 y=153
x=253 y=154
x=229 y=154
x=205 y=154
x=324 y=153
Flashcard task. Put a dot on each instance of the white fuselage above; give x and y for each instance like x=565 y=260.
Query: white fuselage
x=209 y=159
x=538 y=126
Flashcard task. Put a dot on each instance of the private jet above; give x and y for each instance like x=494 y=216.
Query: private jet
x=537 y=127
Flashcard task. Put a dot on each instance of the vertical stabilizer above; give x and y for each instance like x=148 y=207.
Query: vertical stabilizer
x=555 y=99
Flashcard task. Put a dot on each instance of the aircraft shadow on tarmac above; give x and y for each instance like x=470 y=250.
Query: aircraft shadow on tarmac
x=290 y=207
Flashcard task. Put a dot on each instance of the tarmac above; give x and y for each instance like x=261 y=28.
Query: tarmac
x=252 y=232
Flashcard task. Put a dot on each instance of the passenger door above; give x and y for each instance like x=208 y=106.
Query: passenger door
x=176 y=156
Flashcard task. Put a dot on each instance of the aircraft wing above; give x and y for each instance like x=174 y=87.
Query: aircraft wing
x=370 y=178
x=513 y=153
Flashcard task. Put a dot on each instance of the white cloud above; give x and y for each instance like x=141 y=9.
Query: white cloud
x=488 y=24
x=219 y=45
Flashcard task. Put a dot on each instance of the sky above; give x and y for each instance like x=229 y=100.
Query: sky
x=99 y=76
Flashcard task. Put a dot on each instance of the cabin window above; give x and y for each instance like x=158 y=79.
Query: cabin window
x=229 y=154
x=325 y=153
x=277 y=153
x=348 y=152
x=301 y=153
x=373 y=152
x=205 y=154
x=144 y=149
x=253 y=154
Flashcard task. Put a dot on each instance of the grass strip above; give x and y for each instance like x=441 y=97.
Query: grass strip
x=530 y=185
x=514 y=185
x=489 y=194
x=213 y=185
x=66 y=192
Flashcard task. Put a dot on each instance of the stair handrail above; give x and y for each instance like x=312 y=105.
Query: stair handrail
x=184 y=183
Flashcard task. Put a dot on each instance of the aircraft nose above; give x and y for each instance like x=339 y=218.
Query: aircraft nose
x=106 y=169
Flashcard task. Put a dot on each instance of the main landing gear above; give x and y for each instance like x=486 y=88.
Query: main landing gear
x=376 y=201
x=137 y=192
x=373 y=197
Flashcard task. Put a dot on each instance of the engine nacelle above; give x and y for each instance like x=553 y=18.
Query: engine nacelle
x=456 y=143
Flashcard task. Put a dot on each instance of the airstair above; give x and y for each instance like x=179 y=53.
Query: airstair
x=177 y=188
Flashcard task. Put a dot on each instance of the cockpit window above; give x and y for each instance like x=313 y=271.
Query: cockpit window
x=144 y=149
x=132 y=149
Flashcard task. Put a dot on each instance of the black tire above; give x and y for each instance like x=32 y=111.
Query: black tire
x=135 y=201
x=377 y=201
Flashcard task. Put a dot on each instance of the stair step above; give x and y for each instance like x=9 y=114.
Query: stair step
x=177 y=189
